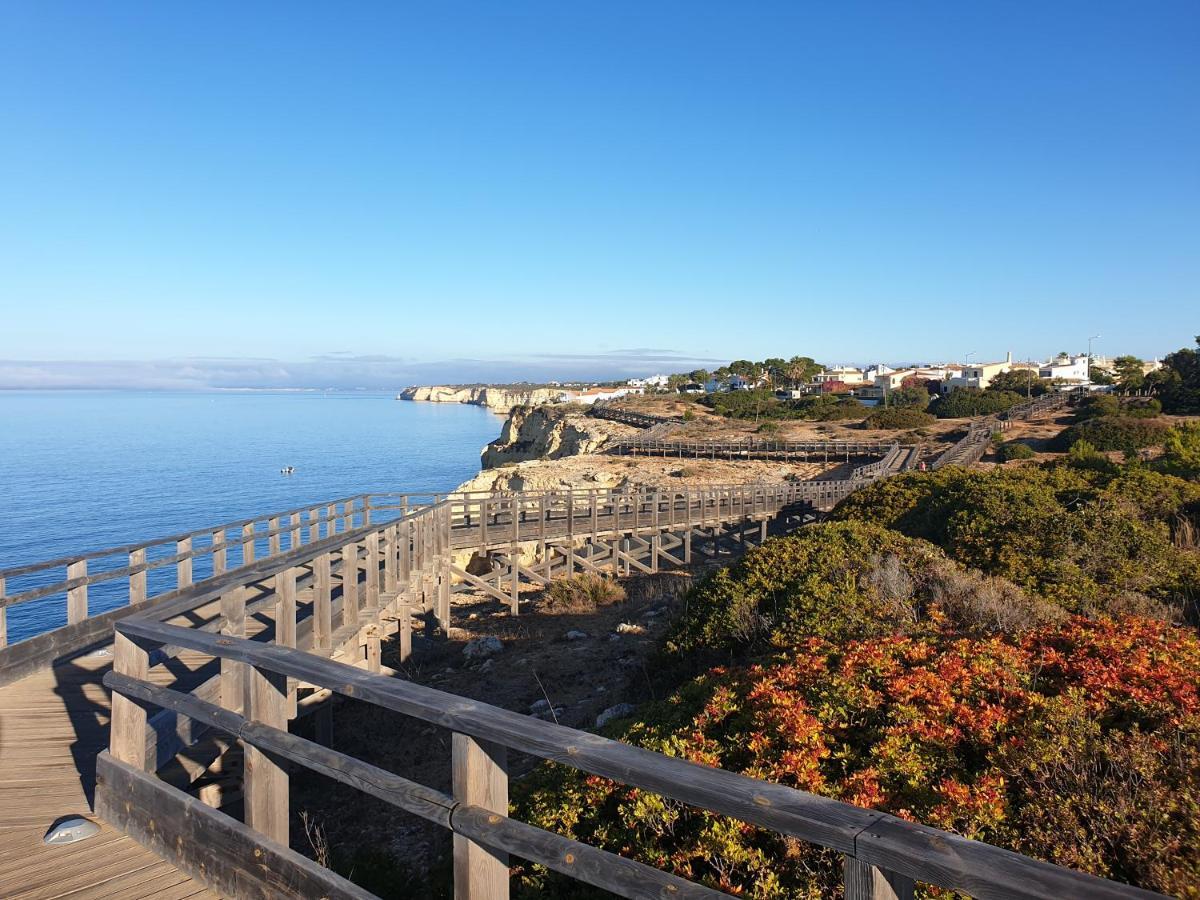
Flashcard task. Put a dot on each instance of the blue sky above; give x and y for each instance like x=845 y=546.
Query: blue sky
x=522 y=189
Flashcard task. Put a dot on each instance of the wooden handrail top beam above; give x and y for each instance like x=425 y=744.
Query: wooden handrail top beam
x=590 y=864
x=30 y=568
x=925 y=854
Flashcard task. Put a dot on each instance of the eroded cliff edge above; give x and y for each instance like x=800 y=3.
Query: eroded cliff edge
x=549 y=432
x=499 y=399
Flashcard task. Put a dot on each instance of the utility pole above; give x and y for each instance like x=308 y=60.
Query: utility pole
x=1089 y=364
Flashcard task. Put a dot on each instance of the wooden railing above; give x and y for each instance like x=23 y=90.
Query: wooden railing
x=972 y=446
x=884 y=855
x=140 y=575
x=629 y=417
x=752 y=449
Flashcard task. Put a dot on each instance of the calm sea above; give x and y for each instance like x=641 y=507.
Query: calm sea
x=90 y=469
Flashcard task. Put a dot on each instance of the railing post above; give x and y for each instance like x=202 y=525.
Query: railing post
x=233 y=624
x=77 y=597
x=275 y=541
x=480 y=779
x=294 y=537
x=219 y=552
x=183 y=568
x=366 y=511
x=248 y=543
x=285 y=622
x=127 y=733
x=372 y=588
x=266 y=780
x=137 y=580
x=314 y=525
x=322 y=602
x=350 y=584
x=390 y=542
x=867 y=882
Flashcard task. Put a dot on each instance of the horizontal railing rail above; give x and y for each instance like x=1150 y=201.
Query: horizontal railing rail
x=878 y=848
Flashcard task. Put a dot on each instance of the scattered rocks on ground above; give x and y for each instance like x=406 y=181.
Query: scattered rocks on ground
x=620 y=711
x=576 y=635
x=482 y=648
x=629 y=628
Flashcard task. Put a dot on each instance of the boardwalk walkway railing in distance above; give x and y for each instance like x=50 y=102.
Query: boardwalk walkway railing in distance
x=800 y=451
x=972 y=446
x=629 y=417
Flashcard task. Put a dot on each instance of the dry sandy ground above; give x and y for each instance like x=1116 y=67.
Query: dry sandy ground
x=708 y=427
x=602 y=471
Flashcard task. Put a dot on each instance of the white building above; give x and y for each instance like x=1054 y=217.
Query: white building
x=873 y=372
x=653 y=381
x=844 y=374
x=1068 y=368
x=588 y=396
x=980 y=375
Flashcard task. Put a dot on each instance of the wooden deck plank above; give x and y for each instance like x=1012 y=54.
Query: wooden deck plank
x=52 y=724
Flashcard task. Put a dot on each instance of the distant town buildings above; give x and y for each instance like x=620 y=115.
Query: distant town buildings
x=873 y=383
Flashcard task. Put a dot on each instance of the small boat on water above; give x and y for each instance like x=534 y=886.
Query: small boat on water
x=287 y=470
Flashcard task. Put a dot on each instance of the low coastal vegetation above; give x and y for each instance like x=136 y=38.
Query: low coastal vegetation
x=1010 y=655
x=897 y=417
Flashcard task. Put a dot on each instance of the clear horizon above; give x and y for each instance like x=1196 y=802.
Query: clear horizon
x=270 y=197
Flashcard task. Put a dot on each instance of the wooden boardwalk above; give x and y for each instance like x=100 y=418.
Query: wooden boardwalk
x=52 y=726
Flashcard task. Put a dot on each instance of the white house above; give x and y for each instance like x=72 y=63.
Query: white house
x=653 y=381
x=980 y=375
x=844 y=374
x=1068 y=368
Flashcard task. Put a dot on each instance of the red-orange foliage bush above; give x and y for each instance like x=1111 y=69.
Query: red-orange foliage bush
x=1077 y=742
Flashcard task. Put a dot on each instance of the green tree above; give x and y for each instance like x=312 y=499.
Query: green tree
x=801 y=369
x=909 y=398
x=1127 y=370
x=1020 y=381
x=776 y=368
x=1177 y=383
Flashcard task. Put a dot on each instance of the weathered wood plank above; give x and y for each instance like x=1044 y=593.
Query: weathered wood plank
x=218 y=851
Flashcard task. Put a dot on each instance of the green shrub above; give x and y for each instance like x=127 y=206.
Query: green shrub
x=1181 y=451
x=839 y=581
x=1085 y=539
x=1114 y=433
x=1107 y=405
x=582 y=593
x=1096 y=406
x=1011 y=450
x=897 y=417
x=964 y=402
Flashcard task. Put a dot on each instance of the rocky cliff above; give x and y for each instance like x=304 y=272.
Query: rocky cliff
x=549 y=432
x=499 y=399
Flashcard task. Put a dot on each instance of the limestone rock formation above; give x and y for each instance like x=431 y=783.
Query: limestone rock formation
x=499 y=399
x=549 y=432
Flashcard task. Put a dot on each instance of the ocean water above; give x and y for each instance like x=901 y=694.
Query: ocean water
x=82 y=470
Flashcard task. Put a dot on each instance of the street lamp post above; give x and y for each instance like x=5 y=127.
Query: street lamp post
x=1089 y=364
